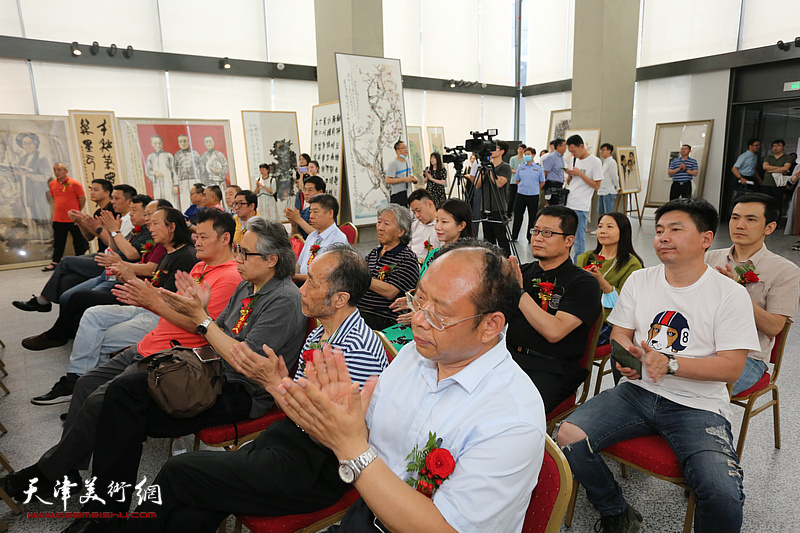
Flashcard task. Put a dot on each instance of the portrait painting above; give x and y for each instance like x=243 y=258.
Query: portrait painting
x=628 y=166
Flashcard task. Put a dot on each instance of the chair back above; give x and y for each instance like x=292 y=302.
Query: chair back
x=587 y=361
x=776 y=356
x=297 y=243
x=391 y=351
x=552 y=493
x=349 y=229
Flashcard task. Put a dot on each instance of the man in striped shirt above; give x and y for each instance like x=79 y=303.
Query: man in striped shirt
x=283 y=471
x=682 y=169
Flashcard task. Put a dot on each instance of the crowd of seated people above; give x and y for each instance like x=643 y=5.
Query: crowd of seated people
x=496 y=348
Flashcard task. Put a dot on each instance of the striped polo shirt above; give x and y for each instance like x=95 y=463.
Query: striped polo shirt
x=682 y=175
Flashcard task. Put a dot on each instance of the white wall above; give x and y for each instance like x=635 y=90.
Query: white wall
x=678 y=99
x=537 y=116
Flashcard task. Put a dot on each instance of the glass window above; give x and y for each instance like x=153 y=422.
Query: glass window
x=450 y=38
x=291 y=31
x=402 y=34
x=15 y=91
x=550 y=41
x=9 y=19
x=767 y=21
x=498 y=33
x=537 y=116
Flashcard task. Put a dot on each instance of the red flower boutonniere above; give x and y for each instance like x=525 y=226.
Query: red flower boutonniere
x=307 y=358
x=136 y=230
x=385 y=271
x=746 y=274
x=428 y=246
x=545 y=291
x=597 y=260
x=156 y=279
x=314 y=251
x=244 y=313
x=433 y=464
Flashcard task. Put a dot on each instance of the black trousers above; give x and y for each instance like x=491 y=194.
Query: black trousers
x=556 y=380
x=400 y=198
x=69 y=315
x=494 y=231
x=680 y=190
x=129 y=415
x=70 y=271
x=531 y=203
x=60 y=230
x=282 y=472
x=512 y=195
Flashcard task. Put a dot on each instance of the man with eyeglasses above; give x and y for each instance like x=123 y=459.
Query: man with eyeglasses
x=457 y=381
x=244 y=205
x=558 y=305
x=323 y=209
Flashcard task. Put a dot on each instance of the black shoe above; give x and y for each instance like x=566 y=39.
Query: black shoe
x=33 y=305
x=628 y=521
x=41 y=342
x=95 y=525
x=60 y=393
x=16 y=483
x=63 y=417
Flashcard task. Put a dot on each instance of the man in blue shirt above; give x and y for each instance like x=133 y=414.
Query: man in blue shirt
x=745 y=169
x=553 y=165
x=312 y=186
x=458 y=381
x=530 y=177
x=283 y=471
x=682 y=169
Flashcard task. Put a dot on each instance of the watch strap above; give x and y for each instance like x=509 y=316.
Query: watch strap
x=202 y=327
x=361 y=462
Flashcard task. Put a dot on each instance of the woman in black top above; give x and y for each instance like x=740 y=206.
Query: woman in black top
x=436 y=179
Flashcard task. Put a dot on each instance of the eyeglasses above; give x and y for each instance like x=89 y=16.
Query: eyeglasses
x=435 y=321
x=237 y=204
x=237 y=249
x=546 y=233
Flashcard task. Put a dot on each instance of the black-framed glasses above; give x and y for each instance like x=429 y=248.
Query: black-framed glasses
x=546 y=233
x=237 y=249
x=237 y=204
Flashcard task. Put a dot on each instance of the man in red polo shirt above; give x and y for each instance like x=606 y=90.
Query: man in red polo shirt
x=67 y=195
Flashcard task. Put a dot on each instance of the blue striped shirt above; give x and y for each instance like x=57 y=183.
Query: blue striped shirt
x=363 y=351
x=682 y=175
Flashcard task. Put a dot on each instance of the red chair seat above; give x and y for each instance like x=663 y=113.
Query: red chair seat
x=544 y=497
x=563 y=406
x=650 y=452
x=760 y=384
x=602 y=351
x=226 y=432
x=291 y=523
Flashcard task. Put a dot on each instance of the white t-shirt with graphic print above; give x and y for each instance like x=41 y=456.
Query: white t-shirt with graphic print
x=711 y=315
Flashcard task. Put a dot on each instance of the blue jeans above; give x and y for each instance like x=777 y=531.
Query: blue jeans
x=753 y=370
x=701 y=440
x=580 y=236
x=106 y=329
x=605 y=203
x=97 y=283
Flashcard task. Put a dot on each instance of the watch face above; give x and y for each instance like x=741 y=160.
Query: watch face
x=346 y=473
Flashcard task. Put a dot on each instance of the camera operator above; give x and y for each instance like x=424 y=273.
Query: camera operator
x=493 y=201
x=399 y=175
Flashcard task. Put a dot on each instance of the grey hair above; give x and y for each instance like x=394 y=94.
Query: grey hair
x=350 y=275
x=403 y=218
x=273 y=240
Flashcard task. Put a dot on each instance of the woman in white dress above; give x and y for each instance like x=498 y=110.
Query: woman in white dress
x=265 y=189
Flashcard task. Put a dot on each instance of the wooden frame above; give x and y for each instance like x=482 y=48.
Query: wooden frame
x=630 y=180
x=591 y=139
x=560 y=122
x=416 y=153
x=668 y=139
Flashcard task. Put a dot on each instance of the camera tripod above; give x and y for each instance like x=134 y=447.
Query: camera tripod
x=493 y=208
x=459 y=186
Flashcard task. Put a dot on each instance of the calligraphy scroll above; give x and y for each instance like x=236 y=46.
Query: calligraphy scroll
x=96 y=137
x=326 y=145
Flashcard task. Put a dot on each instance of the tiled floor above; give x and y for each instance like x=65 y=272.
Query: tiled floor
x=770 y=474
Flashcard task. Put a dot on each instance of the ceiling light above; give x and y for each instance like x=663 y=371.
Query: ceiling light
x=224 y=63
x=75 y=50
x=128 y=52
x=452 y=84
x=112 y=50
x=95 y=49
x=783 y=46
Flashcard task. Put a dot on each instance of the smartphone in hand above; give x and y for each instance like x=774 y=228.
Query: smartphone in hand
x=625 y=358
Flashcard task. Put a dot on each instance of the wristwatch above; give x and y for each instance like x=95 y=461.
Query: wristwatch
x=99 y=230
x=114 y=234
x=350 y=470
x=672 y=364
x=202 y=328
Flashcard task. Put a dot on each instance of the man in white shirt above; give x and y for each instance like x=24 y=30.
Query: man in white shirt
x=323 y=210
x=609 y=187
x=422 y=228
x=691 y=329
x=582 y=180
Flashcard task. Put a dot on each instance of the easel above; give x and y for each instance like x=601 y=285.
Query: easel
x=623 y=198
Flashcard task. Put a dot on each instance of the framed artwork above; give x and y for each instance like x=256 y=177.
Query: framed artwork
x=29 y=147
x=436 y=139
x=628 y=166
x=373 y=119
x=591 y=139
x=667 y=143
x=97 y=140
x=164 y=157
x=560 y=121
x=326 y=145
x=416 y=154
x=271 y=138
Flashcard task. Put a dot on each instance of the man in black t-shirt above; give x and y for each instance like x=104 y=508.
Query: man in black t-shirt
x=494 y=199
x=100 y=194
x=558 y=305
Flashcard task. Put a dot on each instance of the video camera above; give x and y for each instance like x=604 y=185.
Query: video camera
x=482 y=144
x=456 y=155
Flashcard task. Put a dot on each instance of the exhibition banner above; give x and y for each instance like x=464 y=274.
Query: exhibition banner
x=29 y=146
x=165 y=157
x=326 y=145
x=373 y=120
